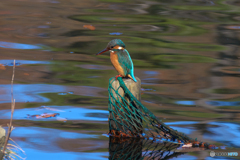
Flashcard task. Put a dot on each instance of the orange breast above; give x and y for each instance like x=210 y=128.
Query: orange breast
x=117 y=66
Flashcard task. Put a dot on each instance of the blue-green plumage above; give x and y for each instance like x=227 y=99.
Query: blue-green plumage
x=126 y=63
x=120 y=58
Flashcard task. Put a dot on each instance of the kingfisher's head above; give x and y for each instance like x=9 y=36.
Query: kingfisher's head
x=114 y=45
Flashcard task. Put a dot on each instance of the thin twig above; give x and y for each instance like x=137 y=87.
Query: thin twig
x=10 y=127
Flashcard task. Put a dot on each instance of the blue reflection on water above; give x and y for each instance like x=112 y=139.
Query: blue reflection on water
x=62 y=93
x=223 y=103
x=18 y=45
x=60 y=155
x=187 y=130
x=227 y=133
x=184 y=157
x=151 y=73
x=30 y=92
x=36 y=134
x=148 y=102
x=68 y=112
x=184 y=129
x=44 y=26
x=73 y=135
x=115 y=33
x=189 y=103
x=37 y=143
x=234 y=27
x=150 y=81
x=181 y=123
x=8 y=62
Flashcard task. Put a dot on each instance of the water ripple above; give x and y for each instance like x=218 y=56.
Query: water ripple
x=223 y=103
x=18 y=45
x=9 y=62
x=30 y=92
x=37 y=143
x=188 y=103
x=68 y=112
x=227 y=133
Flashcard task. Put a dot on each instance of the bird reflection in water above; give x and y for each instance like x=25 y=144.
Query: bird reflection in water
x=138 y=148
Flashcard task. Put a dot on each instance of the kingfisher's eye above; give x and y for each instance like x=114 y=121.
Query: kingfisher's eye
x=111 y=46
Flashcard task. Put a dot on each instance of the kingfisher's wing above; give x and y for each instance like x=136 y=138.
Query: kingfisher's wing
x=126 y=63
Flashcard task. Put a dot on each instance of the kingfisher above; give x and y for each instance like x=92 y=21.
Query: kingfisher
x=120 y=58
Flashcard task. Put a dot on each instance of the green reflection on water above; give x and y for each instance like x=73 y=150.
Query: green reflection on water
x=114 y=1
x=99 y=10
x=154 y=98
x=183 y=58
x=70 y=99
x=184 y=27
x=226 y=91
x=71 y=74
x=216 y=5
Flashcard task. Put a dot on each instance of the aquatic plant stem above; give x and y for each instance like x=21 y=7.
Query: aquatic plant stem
x=10 y=127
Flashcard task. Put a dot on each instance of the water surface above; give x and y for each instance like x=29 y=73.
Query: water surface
x=186 y=54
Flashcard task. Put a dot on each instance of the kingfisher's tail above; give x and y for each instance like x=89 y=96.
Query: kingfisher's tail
x=132 y=77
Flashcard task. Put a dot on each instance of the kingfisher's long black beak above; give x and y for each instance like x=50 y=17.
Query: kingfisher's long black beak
x=105 y=50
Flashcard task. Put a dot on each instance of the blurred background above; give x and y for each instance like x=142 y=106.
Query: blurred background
x=186 y=53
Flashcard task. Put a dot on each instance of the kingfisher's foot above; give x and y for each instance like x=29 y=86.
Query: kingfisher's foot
x=118 y=76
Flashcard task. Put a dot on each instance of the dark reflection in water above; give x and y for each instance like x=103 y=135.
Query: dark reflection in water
x=136 y=149
x=188 y=103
